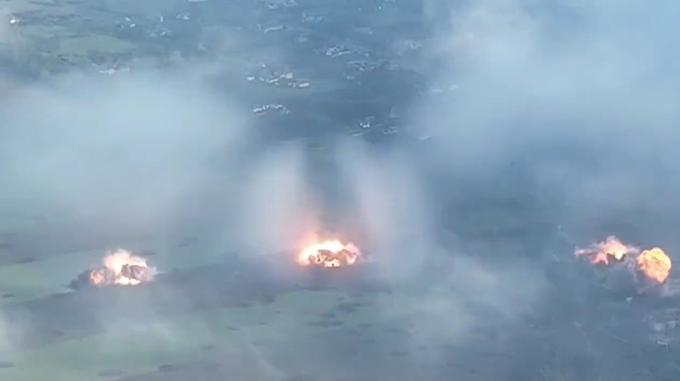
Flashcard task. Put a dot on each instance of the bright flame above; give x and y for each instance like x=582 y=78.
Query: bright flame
x=654 y=264
x=329 y=254
x=602 y=252
x=122 y=268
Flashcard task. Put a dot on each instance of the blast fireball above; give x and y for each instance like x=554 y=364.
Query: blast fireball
x=332 y=253
x=654 y=264
x=122 y=268
x=602 y=253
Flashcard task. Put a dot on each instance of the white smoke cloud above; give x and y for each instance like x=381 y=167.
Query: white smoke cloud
x=277 y=208
x=373 y=199
x=389 y=208
x=577 y=97
x=131 y=149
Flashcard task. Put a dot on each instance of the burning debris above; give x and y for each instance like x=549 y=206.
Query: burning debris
x=611 y=249
x=653 y=266
x=329 y=254
x=123 y=269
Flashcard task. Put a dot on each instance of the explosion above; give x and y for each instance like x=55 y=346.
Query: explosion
x=329 y=254
x=611 y=249
x=654 y=264
x=122 y=268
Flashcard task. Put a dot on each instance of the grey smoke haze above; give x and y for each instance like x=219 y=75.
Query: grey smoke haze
x=467 y=298
x=5 y=27
x=568 y=105
x=577 y=97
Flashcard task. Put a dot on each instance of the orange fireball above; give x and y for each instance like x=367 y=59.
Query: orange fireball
x=602 y=252
x=98 y=277
x=331 y=253
x=122 y=268
x=654 y=264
